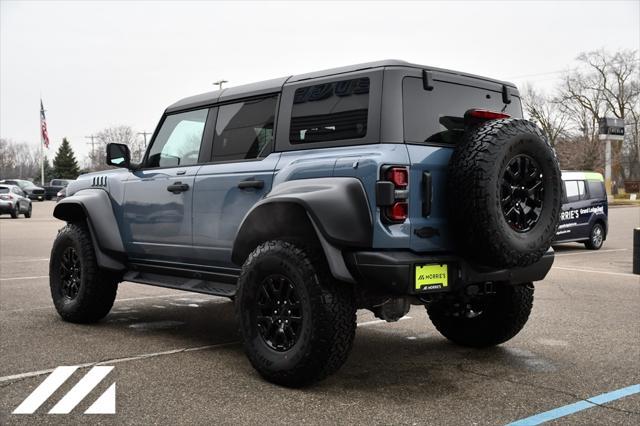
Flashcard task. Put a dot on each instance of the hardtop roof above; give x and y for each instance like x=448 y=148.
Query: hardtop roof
x=275 y=85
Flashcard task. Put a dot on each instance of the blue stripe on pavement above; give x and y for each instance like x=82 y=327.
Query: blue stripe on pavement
x=577 y=406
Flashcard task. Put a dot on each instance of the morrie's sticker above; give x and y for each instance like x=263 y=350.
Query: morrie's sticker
x=432 y=277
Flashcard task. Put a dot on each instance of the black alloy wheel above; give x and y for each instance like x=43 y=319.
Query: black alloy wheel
x=278 y=311
x=70 y=273
x=522 y=194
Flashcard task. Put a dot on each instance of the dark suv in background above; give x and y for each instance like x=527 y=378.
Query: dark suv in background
x=375 y=186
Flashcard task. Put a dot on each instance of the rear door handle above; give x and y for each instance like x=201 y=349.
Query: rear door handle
x=258 y=184
x=178 y=187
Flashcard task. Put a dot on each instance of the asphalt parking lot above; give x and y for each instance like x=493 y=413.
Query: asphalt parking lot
x=178 y=361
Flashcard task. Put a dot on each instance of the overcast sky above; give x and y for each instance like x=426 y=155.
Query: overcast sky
x=99 y=64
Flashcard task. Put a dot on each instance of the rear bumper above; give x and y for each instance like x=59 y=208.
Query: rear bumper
x=393 y=271
x=7 y=207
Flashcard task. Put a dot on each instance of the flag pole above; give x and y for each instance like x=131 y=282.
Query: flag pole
x=41 y=146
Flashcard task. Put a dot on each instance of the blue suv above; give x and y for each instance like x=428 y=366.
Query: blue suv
x=375 y=186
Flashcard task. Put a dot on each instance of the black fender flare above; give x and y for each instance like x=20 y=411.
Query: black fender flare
x=336 y=207
x=93 y=206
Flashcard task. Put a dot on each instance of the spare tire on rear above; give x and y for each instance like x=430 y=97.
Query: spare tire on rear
x=505 y=193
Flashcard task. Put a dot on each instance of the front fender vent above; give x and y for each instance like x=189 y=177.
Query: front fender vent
x=99 y=182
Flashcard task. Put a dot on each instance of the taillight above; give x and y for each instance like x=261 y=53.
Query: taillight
x=6 y=197
x=398 y=211
x=392 y=193
x=399 y=176
x=483 y=114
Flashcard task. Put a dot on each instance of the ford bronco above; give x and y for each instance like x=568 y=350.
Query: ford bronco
x=375 y=186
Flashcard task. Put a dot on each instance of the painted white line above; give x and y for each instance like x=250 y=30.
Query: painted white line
x=379 y=321
x=37 y=308
x=595 y=271
x=24 y=278
x=117 y=360
x=45 y=390
x=590 y=252
x=6 y=262
x=81 y=389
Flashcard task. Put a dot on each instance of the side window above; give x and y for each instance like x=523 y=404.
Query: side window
x=596 y=189
x=574 y=190
x=330 y=111
x=244 y=130
x=18 y=191
x=178 y=141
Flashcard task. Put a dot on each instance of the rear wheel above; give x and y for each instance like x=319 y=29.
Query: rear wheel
x=485 y=320
x=596 y=238
x=81 y=292
x=297 y=323
x=27 y=214
x=15 y=212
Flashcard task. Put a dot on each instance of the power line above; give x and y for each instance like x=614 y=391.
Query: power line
x=93 y=146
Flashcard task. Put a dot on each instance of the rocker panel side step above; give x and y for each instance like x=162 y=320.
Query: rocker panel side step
x=196 y=285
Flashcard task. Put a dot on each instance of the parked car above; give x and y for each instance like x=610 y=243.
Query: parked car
x=14 y=201
x=31 y=190
x=375 y=186
x=584 y=216
x=51 y=190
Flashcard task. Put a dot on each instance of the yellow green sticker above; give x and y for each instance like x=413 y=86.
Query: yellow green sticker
x=432 y=277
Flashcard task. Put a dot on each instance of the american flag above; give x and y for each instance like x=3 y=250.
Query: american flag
x=43 y=127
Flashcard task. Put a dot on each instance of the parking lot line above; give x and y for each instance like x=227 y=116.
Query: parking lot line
x=23 y=278
x=589 y=252
x=595 y=271
x=566 y=410
x=116 y=360
x=24 y=260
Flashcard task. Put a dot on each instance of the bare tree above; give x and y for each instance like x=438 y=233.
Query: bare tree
x=115 y=134
x=605 y=84
x=547 y=113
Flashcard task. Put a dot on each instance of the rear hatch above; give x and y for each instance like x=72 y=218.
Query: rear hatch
x=433 y=125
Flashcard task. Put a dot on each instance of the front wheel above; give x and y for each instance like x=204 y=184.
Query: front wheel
x=596 y=238
x=297 y=323
x=81 y=292
x=485 y=320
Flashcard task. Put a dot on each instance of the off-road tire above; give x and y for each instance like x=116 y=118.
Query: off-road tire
x=27 y=214
x=476 y=171
x=505 y=314
x=328 y=311
x=590 y=243
x=97 y=289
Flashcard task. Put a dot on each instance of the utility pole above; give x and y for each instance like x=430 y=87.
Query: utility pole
x=219 y=83
x=144 y=135
x=93 y=148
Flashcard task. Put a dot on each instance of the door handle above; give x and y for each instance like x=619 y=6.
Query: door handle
x=258 y=184
x=178 y=187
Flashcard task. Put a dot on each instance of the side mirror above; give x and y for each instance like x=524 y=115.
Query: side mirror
x=118 y=155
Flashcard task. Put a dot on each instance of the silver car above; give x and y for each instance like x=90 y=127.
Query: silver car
x=13 y=201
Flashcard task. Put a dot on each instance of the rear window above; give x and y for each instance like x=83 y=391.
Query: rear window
x=330 y=111
x=596 y=189
x=436 y=116
x=4 y=190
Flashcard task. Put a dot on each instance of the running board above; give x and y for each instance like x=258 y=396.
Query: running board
x=181 y=283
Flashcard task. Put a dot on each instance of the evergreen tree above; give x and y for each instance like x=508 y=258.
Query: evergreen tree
x=65 y=165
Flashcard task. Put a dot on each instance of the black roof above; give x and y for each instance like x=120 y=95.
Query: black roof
x=275 y=85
